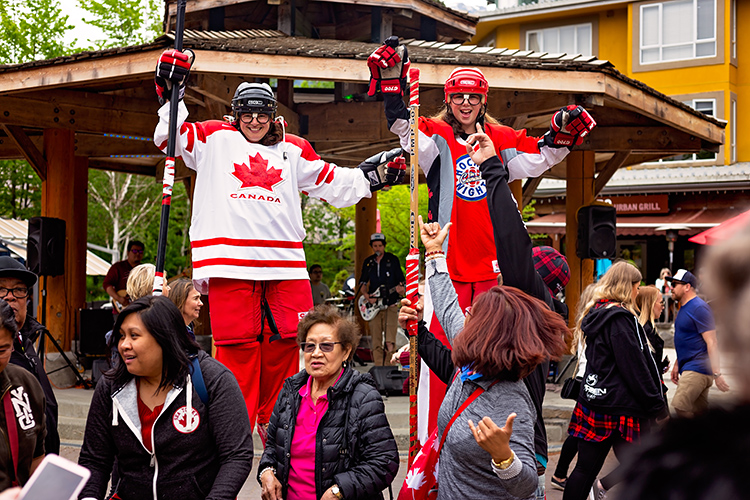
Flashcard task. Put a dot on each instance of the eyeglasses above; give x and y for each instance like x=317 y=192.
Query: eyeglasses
x=309 y=347
x=19 y=293
x=262 y=118
x=137 y=252
x=4 y=353
x=459 y=99
x=316 y=272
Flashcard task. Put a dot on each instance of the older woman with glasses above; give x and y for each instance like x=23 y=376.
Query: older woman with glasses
x=328 y=437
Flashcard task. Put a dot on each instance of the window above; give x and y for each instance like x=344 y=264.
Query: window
x=707 y=107
x=573 y=39
x=733 y=130
x=733 y=31
x=677 y=30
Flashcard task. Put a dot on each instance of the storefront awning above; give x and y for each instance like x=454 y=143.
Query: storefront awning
x=723 y=231
x=687 y=222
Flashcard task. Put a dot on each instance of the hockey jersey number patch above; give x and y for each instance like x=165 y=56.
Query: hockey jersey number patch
x=469 y=183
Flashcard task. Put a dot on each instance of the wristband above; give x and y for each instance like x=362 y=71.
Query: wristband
x=434 y=252
x=717 y=374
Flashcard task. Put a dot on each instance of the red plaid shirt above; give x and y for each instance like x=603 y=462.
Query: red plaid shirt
x=592 y=426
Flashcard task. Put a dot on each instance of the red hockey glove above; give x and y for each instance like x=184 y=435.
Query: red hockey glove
x=569 y=126
x=173 y=67
x=388 y=65
x=384 y=169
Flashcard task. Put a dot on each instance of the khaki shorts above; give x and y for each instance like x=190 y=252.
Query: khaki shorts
x=692 y=392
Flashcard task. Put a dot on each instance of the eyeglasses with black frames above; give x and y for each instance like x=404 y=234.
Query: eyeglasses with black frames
x=19 y=293
x=261 y=118
x=459 y=99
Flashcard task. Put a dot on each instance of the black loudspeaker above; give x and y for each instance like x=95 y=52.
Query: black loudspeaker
x=389 y=379
x=93 y=325
x=597 y=232
x=45 y=247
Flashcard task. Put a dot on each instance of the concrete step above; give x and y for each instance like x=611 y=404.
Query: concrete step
x=71 y=429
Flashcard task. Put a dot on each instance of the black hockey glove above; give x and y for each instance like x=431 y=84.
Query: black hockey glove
x=568 y=127
x=173 y=67
x=389 y=65
x=384 y=169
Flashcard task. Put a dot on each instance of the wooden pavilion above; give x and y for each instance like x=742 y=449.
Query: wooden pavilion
x=98 y=110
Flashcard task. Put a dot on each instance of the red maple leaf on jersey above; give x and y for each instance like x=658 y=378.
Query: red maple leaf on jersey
x=257 y=174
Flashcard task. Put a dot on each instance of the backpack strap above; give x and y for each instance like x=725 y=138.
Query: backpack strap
x=197 y=377
x=11 y=425
x=474 y=395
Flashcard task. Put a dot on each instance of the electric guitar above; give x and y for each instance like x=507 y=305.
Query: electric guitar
x=117 y=306
x=368 y=310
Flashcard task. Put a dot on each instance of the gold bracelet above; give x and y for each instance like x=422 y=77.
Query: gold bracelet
x=505 y=463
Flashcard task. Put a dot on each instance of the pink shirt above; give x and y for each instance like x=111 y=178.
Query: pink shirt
x=302 y=463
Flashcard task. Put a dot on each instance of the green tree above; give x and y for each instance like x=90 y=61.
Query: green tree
x=124 y=22
x=394 y=218
x=330 y=237
x=20 y=190
x=32 y=30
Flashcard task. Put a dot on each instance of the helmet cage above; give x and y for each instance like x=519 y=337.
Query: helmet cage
x=253 y=98
x=466 y=81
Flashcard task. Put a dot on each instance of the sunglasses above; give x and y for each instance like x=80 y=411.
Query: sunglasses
x=309 y=347
x=459 y=99
x=261 y=118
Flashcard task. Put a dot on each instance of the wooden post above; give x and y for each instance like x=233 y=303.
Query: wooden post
x=364 y=225
x=516 y=189
x=64 y=195
x=579 y=192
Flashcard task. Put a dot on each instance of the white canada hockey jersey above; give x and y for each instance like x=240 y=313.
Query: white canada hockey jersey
x=247 y=220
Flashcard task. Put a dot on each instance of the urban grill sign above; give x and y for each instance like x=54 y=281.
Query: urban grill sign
x=637 y=205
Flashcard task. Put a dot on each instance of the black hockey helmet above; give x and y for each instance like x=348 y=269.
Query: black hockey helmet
x=253 y=98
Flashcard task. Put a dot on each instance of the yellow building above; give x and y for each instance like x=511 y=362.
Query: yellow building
x=690 y=50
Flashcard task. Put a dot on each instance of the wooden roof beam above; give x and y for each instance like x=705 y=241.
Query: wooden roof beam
x=637 y=139
x=79 y=111
x=127 y=168
x=612 y=166
x=28 y=149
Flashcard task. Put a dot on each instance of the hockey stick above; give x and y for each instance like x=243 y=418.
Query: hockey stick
x=412 y=260
x=168 y=182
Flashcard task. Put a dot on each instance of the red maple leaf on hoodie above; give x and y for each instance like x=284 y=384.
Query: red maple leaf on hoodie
x=257 y=174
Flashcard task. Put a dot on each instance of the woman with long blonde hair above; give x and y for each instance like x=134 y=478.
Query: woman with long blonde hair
x=621 y=391
x=650 y=303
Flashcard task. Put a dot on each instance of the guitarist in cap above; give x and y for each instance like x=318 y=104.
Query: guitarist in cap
x=116 y=280
x=382 y=285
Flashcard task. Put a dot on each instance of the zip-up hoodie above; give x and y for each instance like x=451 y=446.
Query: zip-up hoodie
x=621 y=376
x=199 y=452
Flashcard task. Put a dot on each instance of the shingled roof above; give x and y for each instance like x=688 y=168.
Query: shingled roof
x=420 y=51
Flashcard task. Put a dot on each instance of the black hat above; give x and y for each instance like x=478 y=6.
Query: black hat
x=253 y=98
x=11 y=268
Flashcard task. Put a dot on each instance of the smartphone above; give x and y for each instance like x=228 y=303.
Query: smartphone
x=56 y=478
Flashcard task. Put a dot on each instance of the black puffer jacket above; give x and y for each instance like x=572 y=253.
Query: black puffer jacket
x=354 y=446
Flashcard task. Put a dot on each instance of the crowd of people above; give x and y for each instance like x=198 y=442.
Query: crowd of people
x=169 y=421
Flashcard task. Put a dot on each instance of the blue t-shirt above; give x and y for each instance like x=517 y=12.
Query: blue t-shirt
x=693 y=319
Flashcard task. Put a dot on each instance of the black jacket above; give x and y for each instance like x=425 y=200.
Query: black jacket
x=354 y=446
x=621 y=376
x=209 y=461
x=25 y=355
x=658 y=344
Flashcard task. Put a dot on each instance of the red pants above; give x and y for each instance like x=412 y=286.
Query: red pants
x=260 y=367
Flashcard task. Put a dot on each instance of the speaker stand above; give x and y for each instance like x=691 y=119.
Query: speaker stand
x=86 y=384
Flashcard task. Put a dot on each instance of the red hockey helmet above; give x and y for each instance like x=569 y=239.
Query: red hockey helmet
x=466 y=80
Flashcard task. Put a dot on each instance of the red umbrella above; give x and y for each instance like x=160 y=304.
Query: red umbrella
x=723 y=231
